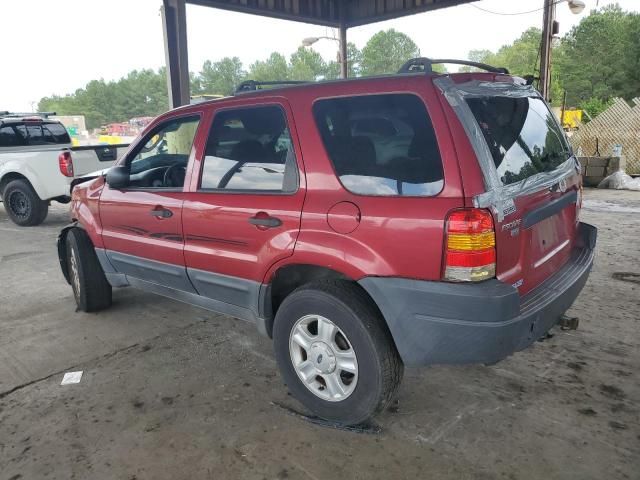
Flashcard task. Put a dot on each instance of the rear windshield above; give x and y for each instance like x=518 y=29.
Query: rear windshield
x=522 y=134
x=36 y=133
x=381 y=144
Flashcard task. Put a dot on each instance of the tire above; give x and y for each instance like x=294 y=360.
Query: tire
x=360 y=333
x=23 y=205
x=91 y=290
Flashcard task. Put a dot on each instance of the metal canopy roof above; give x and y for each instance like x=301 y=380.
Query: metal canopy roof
x=329 y=12
x=342 y=14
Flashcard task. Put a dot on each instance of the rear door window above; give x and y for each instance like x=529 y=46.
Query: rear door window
x=38 y=133
x=381 y=144
x=160 y=159
x=250 y=149
x=522 y=135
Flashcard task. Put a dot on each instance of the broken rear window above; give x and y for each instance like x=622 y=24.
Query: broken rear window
x=522 y=134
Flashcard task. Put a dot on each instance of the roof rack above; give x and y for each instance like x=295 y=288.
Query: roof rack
x=253 y=85
x=423 y=64
x=7 y=114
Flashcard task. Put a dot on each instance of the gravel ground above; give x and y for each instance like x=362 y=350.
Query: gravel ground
x=172 y=392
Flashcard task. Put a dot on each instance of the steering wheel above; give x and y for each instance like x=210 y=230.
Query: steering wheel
x=174 y=176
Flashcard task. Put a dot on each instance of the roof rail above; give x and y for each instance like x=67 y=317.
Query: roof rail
x=7 y=114
x=423 y=64
x=252 y=85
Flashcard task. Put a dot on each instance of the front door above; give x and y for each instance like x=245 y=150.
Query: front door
x=243 y=213
x=142 y=223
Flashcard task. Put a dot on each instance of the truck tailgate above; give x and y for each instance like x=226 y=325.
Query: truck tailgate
x=87 y=159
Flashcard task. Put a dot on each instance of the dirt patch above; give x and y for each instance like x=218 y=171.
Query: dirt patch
x=612 y=391
x=627 y=277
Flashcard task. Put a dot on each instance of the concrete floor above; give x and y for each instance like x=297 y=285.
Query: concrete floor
x=172 y=392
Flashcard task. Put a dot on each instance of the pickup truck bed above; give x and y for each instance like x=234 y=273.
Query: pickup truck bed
x=38 y=164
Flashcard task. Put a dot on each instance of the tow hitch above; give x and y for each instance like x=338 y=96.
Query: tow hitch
x=569 y=323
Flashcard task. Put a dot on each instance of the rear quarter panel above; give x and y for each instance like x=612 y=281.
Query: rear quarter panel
x=40 y=167
x=396 y=236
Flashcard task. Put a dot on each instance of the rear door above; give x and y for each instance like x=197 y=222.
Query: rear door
x=524 y=138
x=243 y=212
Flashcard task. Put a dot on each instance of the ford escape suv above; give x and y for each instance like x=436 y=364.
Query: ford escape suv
x=362 y=224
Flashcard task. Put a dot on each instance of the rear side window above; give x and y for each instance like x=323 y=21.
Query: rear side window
x=9 y=137
x=381 y=144
x=36 y=133
x=57 y=132
x=250 y=149
x=522 y=135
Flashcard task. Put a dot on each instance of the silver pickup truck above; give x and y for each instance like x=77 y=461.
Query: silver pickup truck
x=38 y=164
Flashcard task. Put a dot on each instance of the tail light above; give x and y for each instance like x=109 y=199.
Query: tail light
x=65 y=162
x=470 y=248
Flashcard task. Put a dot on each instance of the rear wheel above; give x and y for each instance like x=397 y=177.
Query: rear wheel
x=335 y=352
x=91 y=290
x=23 y=205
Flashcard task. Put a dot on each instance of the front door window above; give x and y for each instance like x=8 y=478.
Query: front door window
x=161 y=162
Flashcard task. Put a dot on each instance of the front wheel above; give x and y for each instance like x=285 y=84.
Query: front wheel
x=23 y=205
x=91 y=289
x=335 y=352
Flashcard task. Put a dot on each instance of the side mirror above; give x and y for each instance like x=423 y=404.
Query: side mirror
x=118 y=176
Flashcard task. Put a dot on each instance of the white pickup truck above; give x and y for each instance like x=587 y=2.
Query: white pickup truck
x=38 y=164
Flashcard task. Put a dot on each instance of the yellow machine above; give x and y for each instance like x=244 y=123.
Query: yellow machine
x=571 y=119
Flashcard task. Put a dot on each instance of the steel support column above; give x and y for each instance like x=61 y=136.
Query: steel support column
x=545 y=50
x=342 y=54
x=344 y=66
x=174 y=23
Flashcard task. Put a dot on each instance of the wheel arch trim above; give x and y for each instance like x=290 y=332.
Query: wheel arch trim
x=61 y=244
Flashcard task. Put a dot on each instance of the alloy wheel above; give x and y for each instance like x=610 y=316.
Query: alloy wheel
x=323 y=358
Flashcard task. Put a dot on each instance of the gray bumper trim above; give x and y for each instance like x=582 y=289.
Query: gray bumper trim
x=446 y=323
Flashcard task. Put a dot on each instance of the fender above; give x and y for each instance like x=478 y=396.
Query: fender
x=85 y=208
x=62 y=248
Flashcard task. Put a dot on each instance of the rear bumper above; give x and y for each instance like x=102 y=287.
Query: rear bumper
x=447 y=323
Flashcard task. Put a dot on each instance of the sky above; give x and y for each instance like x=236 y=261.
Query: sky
x=57 y=46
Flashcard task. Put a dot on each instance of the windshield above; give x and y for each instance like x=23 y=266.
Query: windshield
x=522 y=135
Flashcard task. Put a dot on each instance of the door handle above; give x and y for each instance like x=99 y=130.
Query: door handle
x=265 y=221
x=160 y=212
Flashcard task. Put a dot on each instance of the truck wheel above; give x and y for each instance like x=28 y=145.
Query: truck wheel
x=23 y=205
x=90 y=287
x=335 y=352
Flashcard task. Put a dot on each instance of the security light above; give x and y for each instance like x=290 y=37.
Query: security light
x=576 y=6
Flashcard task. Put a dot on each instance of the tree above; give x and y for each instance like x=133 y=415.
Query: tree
x=140 y=93
x=594 y=106
x=354 y=58
x=386 y=51
x=519 y=57
x=221 y=77
x=600 y=56
x=306 y=64
x=273 y=68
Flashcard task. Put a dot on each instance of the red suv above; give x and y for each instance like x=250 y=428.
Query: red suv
x=363 y=224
